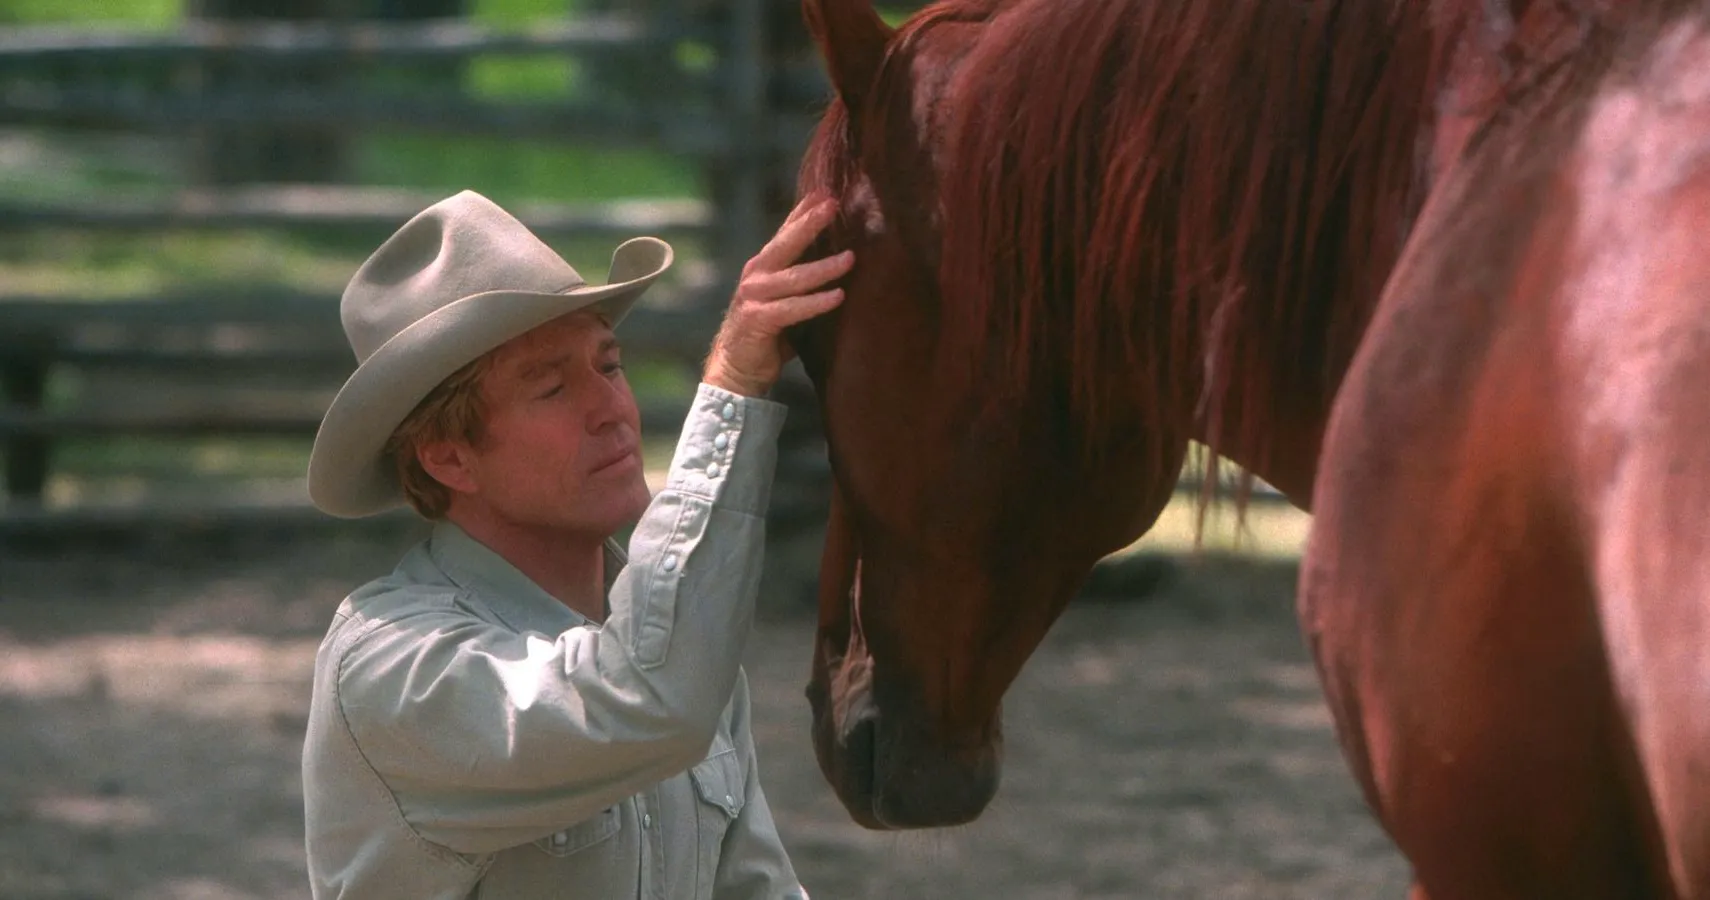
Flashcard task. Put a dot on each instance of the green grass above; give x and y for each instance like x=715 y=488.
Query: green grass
x=894 y=16
x=51 y=168
x=163 y=13
x=95 y=267
x=514 y=13
x=523 y=79
x=532 y=78
x=510 y=171
x=102 y=268
x=152 y=13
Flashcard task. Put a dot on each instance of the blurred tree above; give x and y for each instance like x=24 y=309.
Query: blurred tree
x=291 y=154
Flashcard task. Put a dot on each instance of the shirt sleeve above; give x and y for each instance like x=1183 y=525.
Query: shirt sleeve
x=488 y=738
x=753 y=864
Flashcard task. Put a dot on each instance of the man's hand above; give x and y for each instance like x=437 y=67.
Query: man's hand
x=749 y=352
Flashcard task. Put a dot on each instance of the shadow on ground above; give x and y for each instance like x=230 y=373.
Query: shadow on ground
x=151 y=716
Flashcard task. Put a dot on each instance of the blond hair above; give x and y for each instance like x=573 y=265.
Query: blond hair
x=453 y=411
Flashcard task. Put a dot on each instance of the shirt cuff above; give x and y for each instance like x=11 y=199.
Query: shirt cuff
x=728 y=450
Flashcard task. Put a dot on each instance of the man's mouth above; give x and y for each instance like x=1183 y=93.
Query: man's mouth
x=616 y=460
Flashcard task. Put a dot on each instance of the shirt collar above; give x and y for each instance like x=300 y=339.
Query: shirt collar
x=502 y=587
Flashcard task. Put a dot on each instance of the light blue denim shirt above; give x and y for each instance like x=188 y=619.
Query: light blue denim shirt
x=471 y=737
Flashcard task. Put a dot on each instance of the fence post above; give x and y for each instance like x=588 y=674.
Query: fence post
x=748 y=152
x=239 y=155
x=23 y=385
x=293 y=153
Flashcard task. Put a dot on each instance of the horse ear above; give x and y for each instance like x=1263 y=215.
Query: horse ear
x=852 y=39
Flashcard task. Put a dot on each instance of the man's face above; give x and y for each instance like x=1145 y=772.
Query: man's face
x=562 y=447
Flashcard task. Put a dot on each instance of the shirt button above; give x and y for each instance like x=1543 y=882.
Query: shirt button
x=721 y=442
x=712 y=470
x=560 y=839
x=670 y=563
x=647 y=820
x=729 y=411
x=728 y=801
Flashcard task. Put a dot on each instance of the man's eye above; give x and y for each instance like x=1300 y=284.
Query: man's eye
x=556 y=390
x=613 y=368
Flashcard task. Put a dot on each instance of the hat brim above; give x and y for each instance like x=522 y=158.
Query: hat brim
x=348 y=475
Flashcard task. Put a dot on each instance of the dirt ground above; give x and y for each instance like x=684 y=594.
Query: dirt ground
x=152 y=702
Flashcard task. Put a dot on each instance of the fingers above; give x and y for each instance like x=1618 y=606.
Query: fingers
x=794 y=236
x=775 y=293
x=798 y=279
x=804 y=205
x=781 y=314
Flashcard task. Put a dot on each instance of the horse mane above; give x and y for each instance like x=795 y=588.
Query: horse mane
x=1204 y=197
x=1150 y=200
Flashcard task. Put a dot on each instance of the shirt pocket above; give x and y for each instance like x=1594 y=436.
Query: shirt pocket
x=720 y=783
x=582 y=835
x=589 y=855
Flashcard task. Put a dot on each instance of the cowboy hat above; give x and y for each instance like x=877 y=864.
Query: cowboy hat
x=459 y=279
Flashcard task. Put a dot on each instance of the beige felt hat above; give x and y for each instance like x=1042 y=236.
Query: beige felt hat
x=456 y=281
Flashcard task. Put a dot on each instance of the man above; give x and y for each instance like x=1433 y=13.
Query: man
x=515 y=712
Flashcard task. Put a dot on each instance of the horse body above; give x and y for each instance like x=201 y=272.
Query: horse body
x=1090 y=231
x=1505 y=585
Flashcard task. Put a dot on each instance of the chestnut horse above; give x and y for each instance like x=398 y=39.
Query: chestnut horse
x=1089 y=232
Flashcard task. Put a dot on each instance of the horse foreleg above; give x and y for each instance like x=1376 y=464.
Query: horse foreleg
x=1654 y=602
x=1636 y=357
x=1640 y=369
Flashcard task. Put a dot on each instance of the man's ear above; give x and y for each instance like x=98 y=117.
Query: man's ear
x=451 y=463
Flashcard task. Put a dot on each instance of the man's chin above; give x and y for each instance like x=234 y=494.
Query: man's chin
x=613 y=511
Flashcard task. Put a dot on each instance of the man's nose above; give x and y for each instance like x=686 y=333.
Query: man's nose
x=605 y=402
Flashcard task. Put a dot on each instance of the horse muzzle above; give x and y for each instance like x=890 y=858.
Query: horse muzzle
x=885 y=769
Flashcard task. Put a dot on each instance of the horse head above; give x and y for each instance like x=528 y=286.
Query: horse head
x=966 y=511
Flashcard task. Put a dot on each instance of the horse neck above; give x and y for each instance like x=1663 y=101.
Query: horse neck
x=1183 y=213
x=1331 y=175
x=1272 y=367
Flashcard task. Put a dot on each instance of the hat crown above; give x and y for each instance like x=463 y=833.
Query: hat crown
x=457 y=248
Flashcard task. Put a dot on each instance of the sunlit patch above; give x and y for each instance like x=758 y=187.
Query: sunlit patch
x=198 y=889
x=86 y=811
x=1292 y=714
x=212 y=676
x=1092 y=669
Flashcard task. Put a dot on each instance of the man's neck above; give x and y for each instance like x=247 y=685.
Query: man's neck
x=570 y=566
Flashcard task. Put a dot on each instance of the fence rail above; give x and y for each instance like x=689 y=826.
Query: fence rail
x=62 y=77
x=314 y=206
x=610 y=125
x=666 y=323
x=296 y=43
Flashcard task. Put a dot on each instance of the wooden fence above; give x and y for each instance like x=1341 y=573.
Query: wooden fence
x=233 y=77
